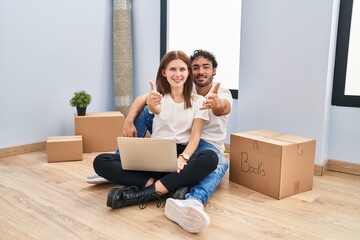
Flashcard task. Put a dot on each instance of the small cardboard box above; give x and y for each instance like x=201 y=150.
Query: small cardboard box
x=275 y=164
x=99 y=130
x=64 y=148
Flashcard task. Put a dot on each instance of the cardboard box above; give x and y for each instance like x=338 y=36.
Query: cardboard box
x=64 y=148
x=275 y=164
x=99 y=130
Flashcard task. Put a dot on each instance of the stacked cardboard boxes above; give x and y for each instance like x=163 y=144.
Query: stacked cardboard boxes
x=94 y=132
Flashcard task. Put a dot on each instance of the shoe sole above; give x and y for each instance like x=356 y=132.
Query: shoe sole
x=188 y=217
x=96 y=179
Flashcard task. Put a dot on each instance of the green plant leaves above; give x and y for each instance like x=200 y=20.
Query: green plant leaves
x=80 y=99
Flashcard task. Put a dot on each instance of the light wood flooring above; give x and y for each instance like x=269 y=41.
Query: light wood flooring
x=40 y=200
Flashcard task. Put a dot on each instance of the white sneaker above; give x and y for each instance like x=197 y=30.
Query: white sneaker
x=189 y=214
x=96 y=179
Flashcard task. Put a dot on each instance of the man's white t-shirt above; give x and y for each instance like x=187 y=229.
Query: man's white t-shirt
x=214 y=130
x=175 y=122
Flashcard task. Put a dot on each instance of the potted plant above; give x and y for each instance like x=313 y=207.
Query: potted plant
x=80 y=100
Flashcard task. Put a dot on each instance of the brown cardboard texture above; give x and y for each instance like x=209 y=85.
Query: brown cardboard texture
x=64 y=148
x=275 y=164
x=99 y=130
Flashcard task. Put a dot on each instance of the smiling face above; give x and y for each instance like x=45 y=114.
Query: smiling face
x=174 y=76
x=203 y=71
x=176 y=73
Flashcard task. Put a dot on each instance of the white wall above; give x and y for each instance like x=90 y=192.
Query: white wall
x=146 y=37
x=48 y=50
x=283 y=72
x=344 y=138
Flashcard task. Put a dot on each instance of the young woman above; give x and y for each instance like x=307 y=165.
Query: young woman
x=177 y=115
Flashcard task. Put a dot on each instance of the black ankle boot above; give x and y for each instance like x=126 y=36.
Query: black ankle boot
x=114 y=198
x=179 y=193
x=120 y=197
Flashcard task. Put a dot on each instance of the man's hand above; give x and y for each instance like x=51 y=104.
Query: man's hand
x=219 y=107
x=129 y=129
x=212 y=100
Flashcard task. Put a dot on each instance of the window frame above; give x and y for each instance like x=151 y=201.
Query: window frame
x=163 y=38
x=341 y=58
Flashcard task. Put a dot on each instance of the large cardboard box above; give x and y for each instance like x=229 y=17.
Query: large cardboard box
x=99 y=130
x=275 y=164
x=64 y=148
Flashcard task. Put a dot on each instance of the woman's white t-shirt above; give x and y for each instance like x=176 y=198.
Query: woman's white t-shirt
x=174 y=121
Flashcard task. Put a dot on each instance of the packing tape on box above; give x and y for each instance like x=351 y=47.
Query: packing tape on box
x=255 y=145
x=300 y=148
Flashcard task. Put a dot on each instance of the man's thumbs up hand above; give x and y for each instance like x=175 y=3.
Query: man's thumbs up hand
x=212 y=100
x=216 y=88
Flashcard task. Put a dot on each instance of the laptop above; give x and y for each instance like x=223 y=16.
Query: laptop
x=148 y=154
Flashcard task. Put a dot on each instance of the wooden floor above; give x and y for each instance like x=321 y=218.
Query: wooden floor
x=40 y=200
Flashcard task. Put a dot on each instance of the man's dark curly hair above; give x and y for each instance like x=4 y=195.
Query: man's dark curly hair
x=204 y=54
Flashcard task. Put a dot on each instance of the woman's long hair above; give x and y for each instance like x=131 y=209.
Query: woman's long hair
x=163 y=86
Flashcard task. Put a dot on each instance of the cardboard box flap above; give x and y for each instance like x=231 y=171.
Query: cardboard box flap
x=64 y=138
x=101 y=114
x=273 y=137
x=292 y=139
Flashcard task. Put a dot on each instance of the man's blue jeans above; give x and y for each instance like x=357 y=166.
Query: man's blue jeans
x=204 y=189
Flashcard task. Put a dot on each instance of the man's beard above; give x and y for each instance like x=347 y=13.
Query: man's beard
x=203 y=84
